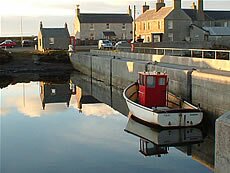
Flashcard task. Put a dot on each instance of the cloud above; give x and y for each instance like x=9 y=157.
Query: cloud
x=96 y=109
x=4 y=111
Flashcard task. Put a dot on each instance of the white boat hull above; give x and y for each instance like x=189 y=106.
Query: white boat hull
x=163 y=116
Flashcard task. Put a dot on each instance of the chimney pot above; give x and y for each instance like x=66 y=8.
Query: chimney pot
x=177 y=4
x=41 y=25
x=160 y=4
x=78 y=10
x=145 y=8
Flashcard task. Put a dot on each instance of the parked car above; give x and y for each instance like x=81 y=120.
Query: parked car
x=27 y=43
x=105 y=44
x=8 y=43
x=120 y=43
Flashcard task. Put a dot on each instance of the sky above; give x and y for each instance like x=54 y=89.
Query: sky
x=66 y=7
x=54 y=13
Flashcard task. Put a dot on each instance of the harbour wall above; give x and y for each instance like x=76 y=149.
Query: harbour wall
x=222 y=150
x=211 y=91
x=180 y=60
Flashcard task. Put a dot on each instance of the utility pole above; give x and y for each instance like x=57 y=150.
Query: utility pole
x=21 y=31
x=134 y=23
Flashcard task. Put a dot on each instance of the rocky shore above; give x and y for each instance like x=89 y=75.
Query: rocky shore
x=21 y=66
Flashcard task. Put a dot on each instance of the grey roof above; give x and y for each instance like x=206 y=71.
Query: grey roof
x=209 y=15
x=218 y=15
x=218 y=31
x=105 y=18
x=55 y=32
x=192 y=13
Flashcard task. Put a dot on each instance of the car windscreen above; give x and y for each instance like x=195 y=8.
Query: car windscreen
x=106 y=41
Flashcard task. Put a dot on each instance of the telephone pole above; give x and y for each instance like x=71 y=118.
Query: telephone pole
x=134 y=24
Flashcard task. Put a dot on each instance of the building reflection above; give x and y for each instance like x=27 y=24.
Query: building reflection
x=83 y=98
x=156 y=142
x=55 y=93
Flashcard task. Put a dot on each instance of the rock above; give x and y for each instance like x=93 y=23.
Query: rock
x=4 y=56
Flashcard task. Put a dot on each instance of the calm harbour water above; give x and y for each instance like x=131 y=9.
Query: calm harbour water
x=65 y=127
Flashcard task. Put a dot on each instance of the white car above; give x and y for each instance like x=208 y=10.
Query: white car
x=121 y=43
x=105 y=44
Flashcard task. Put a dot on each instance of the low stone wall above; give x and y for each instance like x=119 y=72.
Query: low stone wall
x=188 y=61
x=222 y=152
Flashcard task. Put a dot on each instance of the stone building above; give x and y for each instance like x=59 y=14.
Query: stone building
x=208 y=18
x=95 y=26
x=174 y=24
x=163 y=23
x=53 y=38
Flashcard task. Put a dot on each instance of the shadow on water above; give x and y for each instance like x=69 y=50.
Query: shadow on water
x=196 y=142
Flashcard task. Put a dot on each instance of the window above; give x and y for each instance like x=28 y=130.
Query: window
x=144 y=27
x=151 y=82
x=91 y=26
x=123 y=26
x=141 y=79
x=156 y=38
x=40 y=42
x=161 y=81
x=149 y=26
x=226 y=24
x=91 y=36
x=51 y=40
x=107 y=26
x=170 y=36
x=53 y=91
x=159 y=24
x=170 y=24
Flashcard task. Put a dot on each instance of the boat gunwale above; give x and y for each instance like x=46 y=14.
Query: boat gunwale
x=195 y=109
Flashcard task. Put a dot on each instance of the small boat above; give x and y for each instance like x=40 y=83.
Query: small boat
x=155 y=141
x=149 y=101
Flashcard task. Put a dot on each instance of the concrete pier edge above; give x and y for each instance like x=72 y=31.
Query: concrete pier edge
x=222 y=144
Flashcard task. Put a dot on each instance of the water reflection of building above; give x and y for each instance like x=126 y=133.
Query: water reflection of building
x=55 y=93
x=156 y=142
x=84 y=98
x=102 y=92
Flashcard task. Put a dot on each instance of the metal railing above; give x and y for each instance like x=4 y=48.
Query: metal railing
x=195 y=53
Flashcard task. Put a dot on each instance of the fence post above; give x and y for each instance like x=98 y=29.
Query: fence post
x=215 y=54
x=202 y=54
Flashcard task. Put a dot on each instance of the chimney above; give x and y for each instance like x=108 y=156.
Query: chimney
x=145 y=8
x=177 y=4
x=78 y=10
x=41 y=26
x=129 y=11
x=66 y=25
x=200 y=9
x=200 y=5
x=194 y=6
x=159 y=4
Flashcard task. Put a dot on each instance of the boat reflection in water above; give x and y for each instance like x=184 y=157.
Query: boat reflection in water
x=156 y=142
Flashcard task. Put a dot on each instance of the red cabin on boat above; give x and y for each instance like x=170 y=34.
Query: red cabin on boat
x=152 y=89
